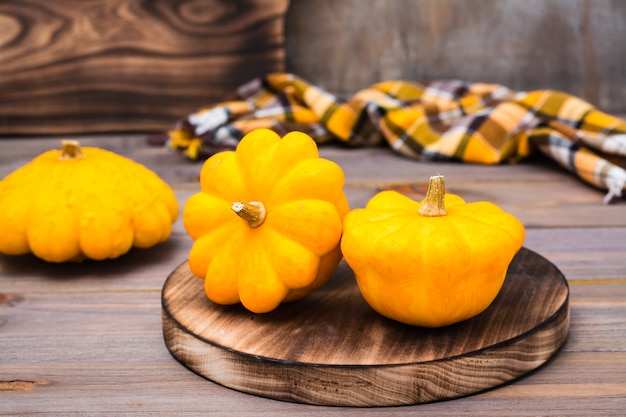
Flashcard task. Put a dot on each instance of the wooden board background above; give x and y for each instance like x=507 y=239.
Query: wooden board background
x=71 y=66
x=571 y=45
x=82 y=66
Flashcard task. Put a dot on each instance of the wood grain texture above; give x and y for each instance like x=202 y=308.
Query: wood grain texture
x=332 y=349
x=575 y=46
x=72 y=66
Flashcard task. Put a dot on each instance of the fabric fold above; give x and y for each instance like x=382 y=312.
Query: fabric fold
x=436 y=120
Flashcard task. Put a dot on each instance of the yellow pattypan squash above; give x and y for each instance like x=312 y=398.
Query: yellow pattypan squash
x=267 y=222
x=431 y=263
x=77 y=203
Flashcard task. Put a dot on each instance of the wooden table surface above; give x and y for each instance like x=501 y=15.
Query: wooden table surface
x=86 y=339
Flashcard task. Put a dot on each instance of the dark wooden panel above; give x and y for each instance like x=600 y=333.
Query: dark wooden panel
x=128 y=65
x=571 y=45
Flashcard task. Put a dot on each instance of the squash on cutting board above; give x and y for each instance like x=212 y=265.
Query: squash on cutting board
x=267 y=222
x=430 y=263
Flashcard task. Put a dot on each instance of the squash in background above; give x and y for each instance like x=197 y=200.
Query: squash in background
x=77 y=203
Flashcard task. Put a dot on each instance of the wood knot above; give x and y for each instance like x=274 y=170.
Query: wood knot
x=17 y=385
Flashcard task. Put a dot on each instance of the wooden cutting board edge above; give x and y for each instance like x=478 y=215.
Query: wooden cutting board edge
x=367 y=385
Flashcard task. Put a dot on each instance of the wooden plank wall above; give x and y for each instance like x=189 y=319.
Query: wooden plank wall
x=576 y=46
x=83 y=66
x=74 y=66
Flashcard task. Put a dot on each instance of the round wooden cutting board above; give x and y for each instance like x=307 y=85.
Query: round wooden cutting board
x=331 y=348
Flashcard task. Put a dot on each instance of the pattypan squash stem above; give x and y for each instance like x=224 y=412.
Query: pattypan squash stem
x=433 y=205
x=252 y=212
x=70 y=149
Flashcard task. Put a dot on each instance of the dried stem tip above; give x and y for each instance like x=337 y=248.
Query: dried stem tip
x=70 y=149
x=252 y=212
x=433 y=204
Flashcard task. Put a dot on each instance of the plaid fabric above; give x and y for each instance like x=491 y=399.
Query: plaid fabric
x=438 y=120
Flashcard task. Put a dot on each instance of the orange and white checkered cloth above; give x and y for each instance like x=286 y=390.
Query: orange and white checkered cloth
x=437 y=120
